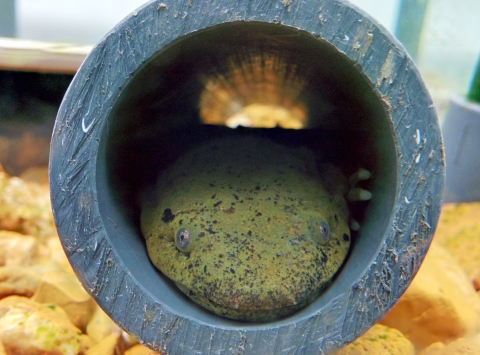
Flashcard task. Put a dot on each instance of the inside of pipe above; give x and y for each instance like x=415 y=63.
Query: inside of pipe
x=279 y=82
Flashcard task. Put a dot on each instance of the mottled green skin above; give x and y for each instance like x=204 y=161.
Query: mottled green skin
x=253 y=208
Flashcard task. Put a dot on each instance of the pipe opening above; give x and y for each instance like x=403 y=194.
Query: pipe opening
x=279 y=83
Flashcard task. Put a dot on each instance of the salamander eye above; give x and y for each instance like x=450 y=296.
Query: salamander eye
x=324 y=232
x=183 y=240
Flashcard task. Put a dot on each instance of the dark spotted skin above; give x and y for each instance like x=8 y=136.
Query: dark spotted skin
x=255 y=212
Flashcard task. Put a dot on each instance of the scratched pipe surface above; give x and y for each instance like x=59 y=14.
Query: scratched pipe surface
x=145 y=93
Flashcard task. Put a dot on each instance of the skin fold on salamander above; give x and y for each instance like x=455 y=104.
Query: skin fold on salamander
x=250 y=229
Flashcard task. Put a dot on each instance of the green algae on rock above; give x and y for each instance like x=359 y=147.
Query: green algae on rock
x=248 y=228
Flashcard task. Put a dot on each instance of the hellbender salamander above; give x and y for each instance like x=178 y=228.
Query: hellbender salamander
x=250 y=229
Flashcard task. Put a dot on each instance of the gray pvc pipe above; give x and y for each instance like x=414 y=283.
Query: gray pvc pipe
x=461 y=132
x=134 y=101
